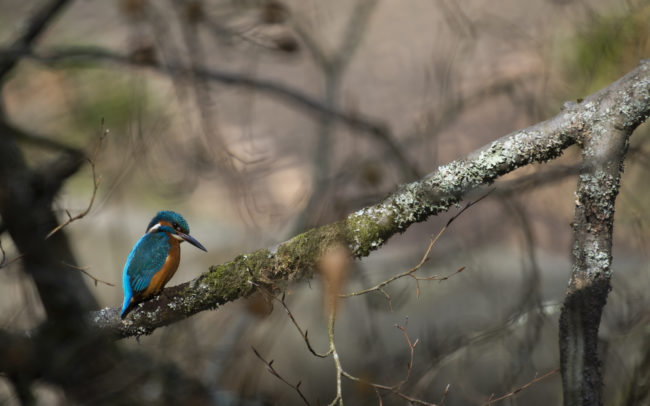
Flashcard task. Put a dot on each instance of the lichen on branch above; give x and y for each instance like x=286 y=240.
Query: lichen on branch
x=624 y=104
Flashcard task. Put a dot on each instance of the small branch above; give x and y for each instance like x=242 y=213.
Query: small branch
x=425 y=258
x=340 y=372
x=444 y=395
x=625 y=103
x=603 y=156
x=512 y=393
x=33 y=28
x=338 y=400
x=38 y=140
x=96 y=182
x=411 y=349
x=395 y=389
x=272 y=371
x=295 y=323
x=358 y=121
x=4 y=262
x=84 y=270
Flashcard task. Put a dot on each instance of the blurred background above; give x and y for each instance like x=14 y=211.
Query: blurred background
x=219 y=110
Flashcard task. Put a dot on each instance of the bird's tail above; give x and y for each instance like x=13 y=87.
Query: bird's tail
x=127 y=307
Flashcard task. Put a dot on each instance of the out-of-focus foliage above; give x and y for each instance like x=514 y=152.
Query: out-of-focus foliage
x=105 y=93
x=608 y=45
x=444 y=76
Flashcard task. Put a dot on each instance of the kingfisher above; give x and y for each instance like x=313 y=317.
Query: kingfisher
x=154 y=259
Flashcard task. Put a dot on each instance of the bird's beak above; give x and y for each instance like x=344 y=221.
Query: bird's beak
x=192 y=241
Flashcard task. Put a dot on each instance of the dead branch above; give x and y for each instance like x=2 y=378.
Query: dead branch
x=515 y=391
x=369 y=228
x=394 y=389
x=6 y=262
x=84 y=270
x=358 y=121
x=304 y=333
x=410 y=273
x=272 y=371
x=96 y=182
x=3 y=262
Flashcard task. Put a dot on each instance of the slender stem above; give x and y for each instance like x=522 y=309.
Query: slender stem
x=338 y=400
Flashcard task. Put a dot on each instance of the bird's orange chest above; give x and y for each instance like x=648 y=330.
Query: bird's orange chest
x=160 y=278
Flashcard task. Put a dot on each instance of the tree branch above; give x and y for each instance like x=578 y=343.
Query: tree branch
x=525 y=386
x=26 y=210
x=623 y=104
x=96 y=181
x=288 y=94
x=83 y=365
x=433 y=240
x=604 y=148
x=33 y=29
x=38 y=140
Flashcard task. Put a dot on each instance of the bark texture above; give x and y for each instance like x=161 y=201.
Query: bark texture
x=604 y=147
x=612 y=112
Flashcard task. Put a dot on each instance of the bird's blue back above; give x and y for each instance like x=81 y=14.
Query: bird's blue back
x=146 y=258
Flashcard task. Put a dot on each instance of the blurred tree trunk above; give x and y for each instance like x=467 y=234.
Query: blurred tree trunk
x=79 y=353
x=26 y=210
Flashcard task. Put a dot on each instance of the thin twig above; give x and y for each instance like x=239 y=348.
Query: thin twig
x=84 y=270
x=376 y=130
x=338 y=400
x=424 y=259
x=396 y=389
x=381 y=401
x=272 y=371
x=96 y=182
x=444 y=395
x=304 y=333
x=512 y=393
x=412 y=352
x=4 y=262
x=340 y=372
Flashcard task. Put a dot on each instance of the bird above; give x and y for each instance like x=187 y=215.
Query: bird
x=154 y=258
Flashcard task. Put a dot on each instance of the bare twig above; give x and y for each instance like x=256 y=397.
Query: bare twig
x=337 y=361
x=11 y=261
x=357 y=121
x=304 y=333
x=425 y=258
x=272 y=371
x=84 y=270
x=444 y=395
x=513 y=392
x=394 y=389
x=412 y=350
x=340 y=372
x=367 y=229
x=96 y=182
x=4 y=262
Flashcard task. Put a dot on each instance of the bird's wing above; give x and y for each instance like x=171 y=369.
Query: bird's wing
x=146 y=258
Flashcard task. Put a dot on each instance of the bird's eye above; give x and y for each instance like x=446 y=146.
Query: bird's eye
x=176 y=226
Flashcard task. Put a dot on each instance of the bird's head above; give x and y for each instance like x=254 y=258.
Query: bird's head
x=173 y=223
